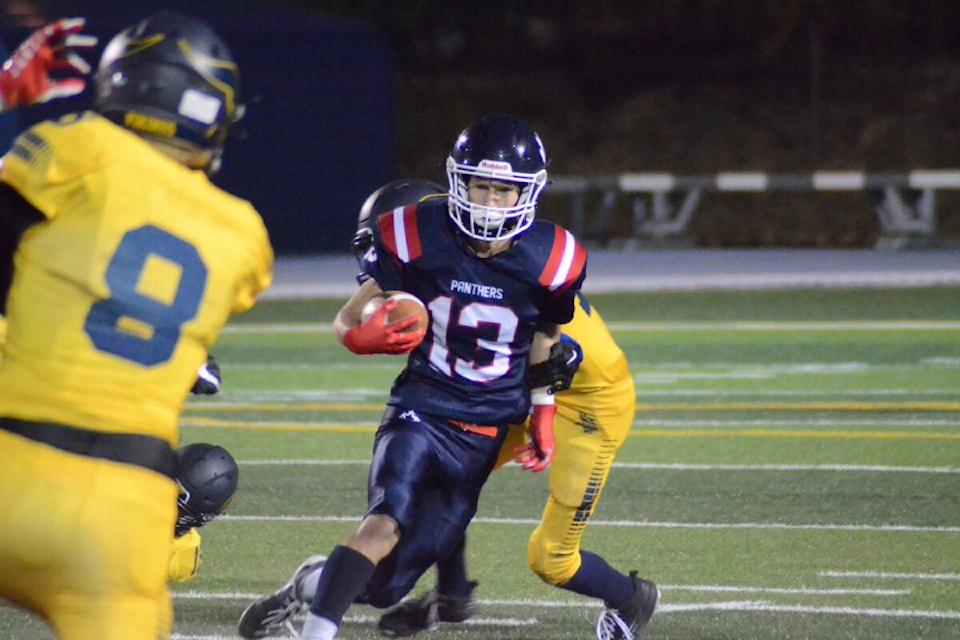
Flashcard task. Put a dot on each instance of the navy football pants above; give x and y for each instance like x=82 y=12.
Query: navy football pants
x=427 y=474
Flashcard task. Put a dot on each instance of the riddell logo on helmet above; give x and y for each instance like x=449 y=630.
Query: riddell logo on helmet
x=493 y=165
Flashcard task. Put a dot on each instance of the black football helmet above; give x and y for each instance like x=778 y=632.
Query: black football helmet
x=208 y=476
x=496 y=147
x=170 y=77
x=397 y=193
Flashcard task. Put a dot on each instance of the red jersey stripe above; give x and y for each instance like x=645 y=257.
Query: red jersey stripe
x=566 y=261
x=398 y=229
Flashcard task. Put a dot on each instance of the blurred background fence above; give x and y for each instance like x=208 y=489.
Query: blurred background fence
x=345 y=95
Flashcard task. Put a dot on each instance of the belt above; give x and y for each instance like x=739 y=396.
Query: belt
x=144 y=451
x=490 y=431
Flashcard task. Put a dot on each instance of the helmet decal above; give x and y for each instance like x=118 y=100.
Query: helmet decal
x=202 y=63
x=171 y=76
x=199 y=106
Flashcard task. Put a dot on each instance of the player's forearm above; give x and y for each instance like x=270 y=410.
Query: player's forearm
x=543 y=340
x=349 y=315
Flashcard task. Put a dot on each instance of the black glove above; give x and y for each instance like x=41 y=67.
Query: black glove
x=558 y=369
x=208 y=379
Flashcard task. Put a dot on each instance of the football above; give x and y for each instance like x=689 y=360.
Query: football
x=407 y=305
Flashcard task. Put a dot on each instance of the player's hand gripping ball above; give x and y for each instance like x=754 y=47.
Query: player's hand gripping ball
x=393 y=322
x=407 y=305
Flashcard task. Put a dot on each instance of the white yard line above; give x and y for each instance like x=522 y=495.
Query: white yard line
x=529 y=522
x=748 y=606
x=671 y=466
x=886 y=575
x=870 y=325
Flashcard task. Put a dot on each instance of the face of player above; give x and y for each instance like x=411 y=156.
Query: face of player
x=492 y=193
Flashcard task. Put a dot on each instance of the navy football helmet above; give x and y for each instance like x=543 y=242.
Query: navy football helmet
x=497 y=147
x=397 y=193
x=170 y=77
x=207 y=475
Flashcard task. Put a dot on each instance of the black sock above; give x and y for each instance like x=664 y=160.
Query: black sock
x=452 y=572
x=344 y=575
x=597 y=579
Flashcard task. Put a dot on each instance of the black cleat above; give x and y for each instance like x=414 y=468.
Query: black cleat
x=628 y=621
x=271 y=615
x=426 y=613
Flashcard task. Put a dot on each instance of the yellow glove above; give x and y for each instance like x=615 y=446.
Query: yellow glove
x=185 y=559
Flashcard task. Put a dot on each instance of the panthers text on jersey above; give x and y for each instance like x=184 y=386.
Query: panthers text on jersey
x=484 y=312
x=125 y=283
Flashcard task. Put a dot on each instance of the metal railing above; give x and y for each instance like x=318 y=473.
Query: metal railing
x=664 y=203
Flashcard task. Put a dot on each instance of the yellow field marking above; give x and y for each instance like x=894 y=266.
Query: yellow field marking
x=292 y=406
x=809 y=434
x=841 y=405
x=906 y=405
x=277 y=426
x=732 y=325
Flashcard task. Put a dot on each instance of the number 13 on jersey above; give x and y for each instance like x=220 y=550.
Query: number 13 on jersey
x=472 y=316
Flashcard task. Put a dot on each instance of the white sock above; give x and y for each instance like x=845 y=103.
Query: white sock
x=317 y=628
x=308 y=587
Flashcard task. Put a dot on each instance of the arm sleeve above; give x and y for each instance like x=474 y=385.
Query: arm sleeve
x=559 y=308
x=382 y=265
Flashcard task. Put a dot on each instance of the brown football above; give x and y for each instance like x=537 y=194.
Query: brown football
x=407 y=305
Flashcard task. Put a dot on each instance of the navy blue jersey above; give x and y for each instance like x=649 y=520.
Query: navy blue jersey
x=483 y=311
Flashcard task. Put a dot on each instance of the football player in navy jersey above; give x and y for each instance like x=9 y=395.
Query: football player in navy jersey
x=498 y=283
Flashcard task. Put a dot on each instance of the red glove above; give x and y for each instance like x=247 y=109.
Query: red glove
x=537 y=454
x=25 y=77
x=376 y=336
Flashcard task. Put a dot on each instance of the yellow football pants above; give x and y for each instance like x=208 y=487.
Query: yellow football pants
x=85 y=542
x=588 y=432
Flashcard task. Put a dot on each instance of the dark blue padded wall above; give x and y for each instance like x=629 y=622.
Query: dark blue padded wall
x=319 y=133
x=8 y=121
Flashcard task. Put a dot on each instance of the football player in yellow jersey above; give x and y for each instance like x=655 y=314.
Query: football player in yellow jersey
x=126 y=263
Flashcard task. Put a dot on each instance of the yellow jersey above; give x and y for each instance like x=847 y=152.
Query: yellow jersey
x=603 y=379
x=119 y=294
